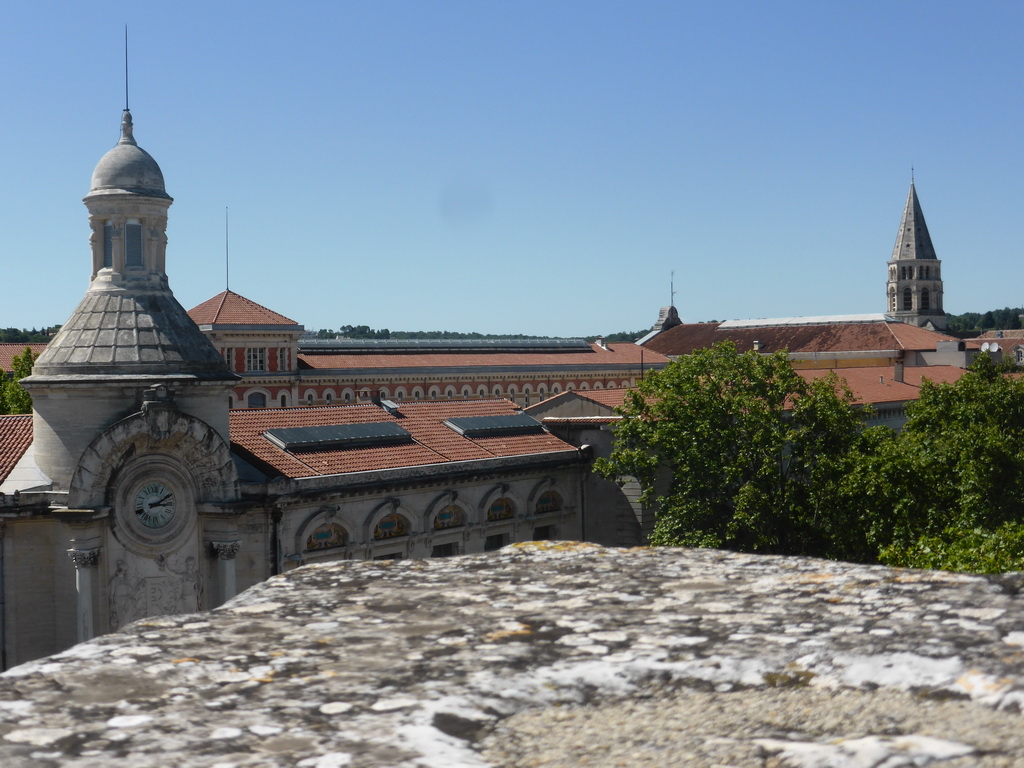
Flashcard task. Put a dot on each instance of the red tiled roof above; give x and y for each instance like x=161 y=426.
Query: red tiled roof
x=824 y=337
x=866 y=387
x=433 y=442
x=230 y=308
x=15 y=438
x=612 y=398
x=9 y=351
x=619 y=354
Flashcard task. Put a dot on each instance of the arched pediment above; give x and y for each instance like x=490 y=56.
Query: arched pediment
x=165 y=433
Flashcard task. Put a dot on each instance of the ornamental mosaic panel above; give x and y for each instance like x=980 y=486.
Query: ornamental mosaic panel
x=326 y=536
x=501 y=509
x=549 y=501
x=391 y=526
x=450 y=517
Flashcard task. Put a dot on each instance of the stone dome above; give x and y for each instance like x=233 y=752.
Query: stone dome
x=128 y=168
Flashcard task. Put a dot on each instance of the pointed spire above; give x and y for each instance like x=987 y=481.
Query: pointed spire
x=126 y=129
x=913 y=240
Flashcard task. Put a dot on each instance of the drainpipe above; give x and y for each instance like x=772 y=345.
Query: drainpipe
x=275 y=542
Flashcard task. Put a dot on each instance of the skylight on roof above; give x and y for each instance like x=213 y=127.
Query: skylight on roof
x=493 y=426
x=338 y=436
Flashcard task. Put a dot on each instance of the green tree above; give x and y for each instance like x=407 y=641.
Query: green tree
x=740 y=452
x=14 y=398
x=948 y=491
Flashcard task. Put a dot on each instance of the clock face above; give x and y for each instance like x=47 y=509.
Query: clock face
x=154 y=505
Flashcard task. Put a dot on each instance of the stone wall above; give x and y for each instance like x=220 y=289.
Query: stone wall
x=547 y=654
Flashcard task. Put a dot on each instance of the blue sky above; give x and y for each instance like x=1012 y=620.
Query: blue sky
x=534 y=167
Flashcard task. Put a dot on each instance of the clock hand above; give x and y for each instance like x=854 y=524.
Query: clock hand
x=161 y=501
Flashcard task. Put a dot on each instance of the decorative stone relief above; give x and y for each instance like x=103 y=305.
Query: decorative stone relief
x=160 y=430
x=225 y=550
x=84 y=558
x=176 y=590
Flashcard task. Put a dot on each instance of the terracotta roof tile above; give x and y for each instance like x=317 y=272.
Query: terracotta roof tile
x=824 y=337
x=15 y=438
x=612 y=398
x=230 y=308
x=9 y=351
x=617 y=354
x=876 y=384
x=433 y=442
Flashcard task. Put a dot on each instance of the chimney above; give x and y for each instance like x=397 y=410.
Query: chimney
x=897 y=372
x=757 y=345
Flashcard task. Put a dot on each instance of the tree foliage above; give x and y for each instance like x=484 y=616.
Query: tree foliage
x=13 y=397
x=953 y=479
x=739 y=452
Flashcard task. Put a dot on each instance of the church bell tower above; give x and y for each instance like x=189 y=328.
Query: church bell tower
x=914 y=287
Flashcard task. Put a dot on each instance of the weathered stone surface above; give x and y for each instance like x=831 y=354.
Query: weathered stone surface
x=556 y=654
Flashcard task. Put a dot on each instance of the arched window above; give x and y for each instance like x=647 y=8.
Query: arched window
x=467 y=391
x=496 y=391
x=892 y=299
x=549 y=501
x=449 y=392
x=417 y=393
x=391 y=526
x=326 y=536
x=283 y=400
x=435 y=393
x=309 y=398
x=501 y=509
x=908 y=299
x=925 y=299
x=133 y=243
x=400 y=394
x=451 y=516
x=256 y=400
x=556 y=388
x=231 y=401
x=481 y=391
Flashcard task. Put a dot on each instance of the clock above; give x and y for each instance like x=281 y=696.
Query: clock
x=154 y=505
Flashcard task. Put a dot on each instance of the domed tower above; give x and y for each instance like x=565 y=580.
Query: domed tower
x=914 y=287
x=129 y=341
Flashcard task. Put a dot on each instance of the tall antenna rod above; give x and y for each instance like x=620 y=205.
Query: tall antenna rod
x=125 y=67
x=672 y=288
x=227 y=259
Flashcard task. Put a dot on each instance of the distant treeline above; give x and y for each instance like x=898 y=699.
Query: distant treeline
x=1005 y=319
x=25 y=336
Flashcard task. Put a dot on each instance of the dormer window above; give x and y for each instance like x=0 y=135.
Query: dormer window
x=133 y=243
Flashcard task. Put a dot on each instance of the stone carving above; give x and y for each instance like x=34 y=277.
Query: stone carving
x=133 y=597
x=185 y=586
x=161 y=430
x=225 y=550
x=84 y=558
x=123 y=594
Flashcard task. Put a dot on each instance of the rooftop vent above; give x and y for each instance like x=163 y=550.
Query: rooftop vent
x=493 y=426
x=390 y=406
x=338 y=436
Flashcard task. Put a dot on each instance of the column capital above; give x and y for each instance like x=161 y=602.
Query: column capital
x=225 y=550
x=84 y=558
